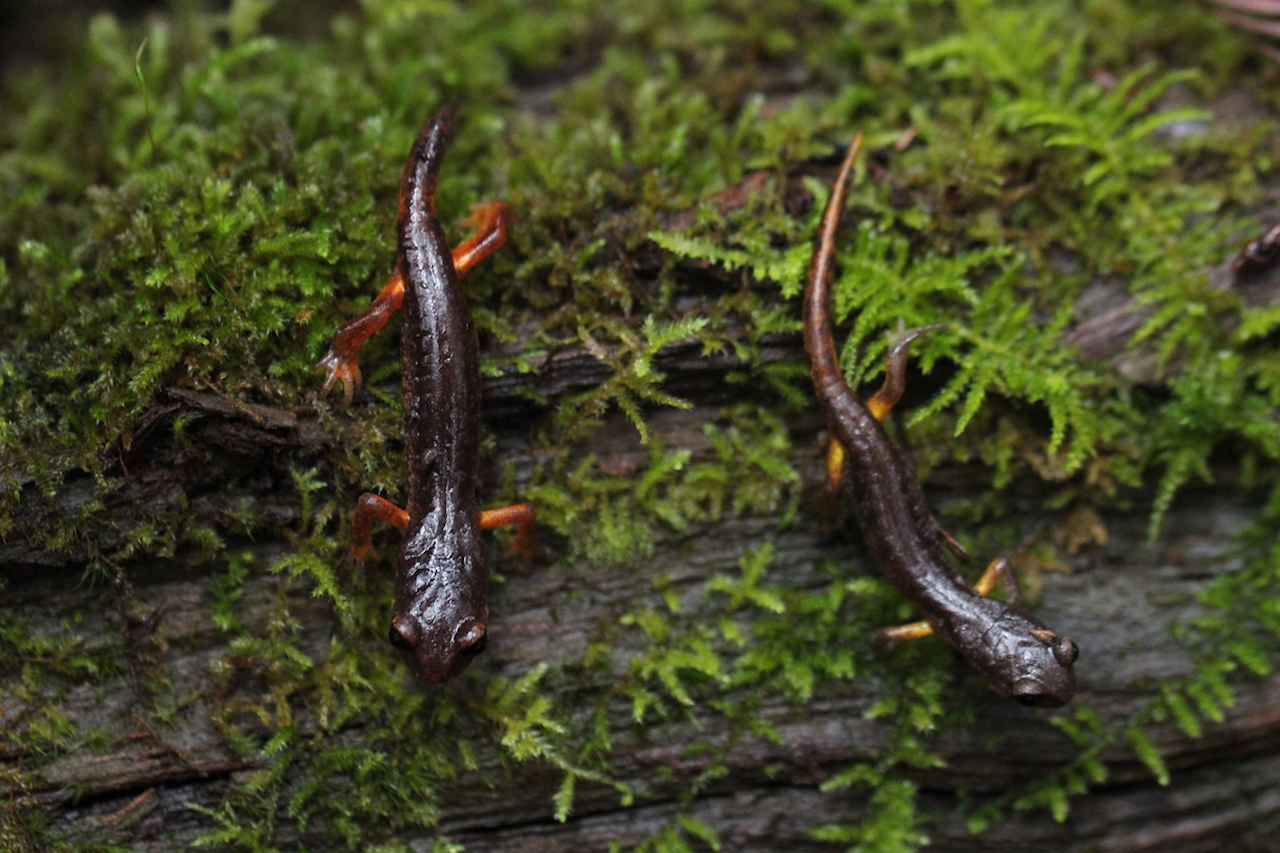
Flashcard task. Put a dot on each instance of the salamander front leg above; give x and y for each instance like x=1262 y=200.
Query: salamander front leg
x=998 y=573
x=522 y=515
x=883 y=640
x=828 y=499
x=371 y=508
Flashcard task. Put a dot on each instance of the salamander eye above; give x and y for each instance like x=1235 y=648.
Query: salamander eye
x=1065 y=652
x=477 y=647
x=400 y=641
x=471 y=637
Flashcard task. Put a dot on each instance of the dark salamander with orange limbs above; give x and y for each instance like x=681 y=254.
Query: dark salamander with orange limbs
x=440 y=613
x=1015 y=653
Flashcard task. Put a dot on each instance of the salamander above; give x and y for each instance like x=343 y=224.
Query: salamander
x=439 y=613
x=1014 y=652
x=1260 y=253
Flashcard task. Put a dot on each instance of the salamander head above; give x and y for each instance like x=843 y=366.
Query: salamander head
x=1014 y=652
x=439 y=617
x=438 y=656
x=1038 y=674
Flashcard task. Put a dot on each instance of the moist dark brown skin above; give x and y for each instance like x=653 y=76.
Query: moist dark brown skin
x=1017 y=655
x=440 y=611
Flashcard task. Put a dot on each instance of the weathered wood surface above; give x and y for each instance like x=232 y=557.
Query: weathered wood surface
x=1116 y=601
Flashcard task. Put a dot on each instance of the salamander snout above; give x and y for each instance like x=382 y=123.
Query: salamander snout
x=1046 y=679
x=1030 y=693
x=435 y=656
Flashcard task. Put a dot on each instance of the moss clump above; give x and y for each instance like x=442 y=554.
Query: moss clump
x=195 y=202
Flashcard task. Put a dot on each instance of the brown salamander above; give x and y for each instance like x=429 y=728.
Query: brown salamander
x=1259 y=253
x=440 y=613
x=1017 y=654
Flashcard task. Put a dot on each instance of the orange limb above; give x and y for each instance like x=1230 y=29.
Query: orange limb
x=371 y=508
x=998 y=573
x=835 y=465
x=523 y=515
x=829 y=495
x=884 y=639
x=909 y=631
x=880 y=404
x=490 y=220
x=895 y=373
x=341 y=362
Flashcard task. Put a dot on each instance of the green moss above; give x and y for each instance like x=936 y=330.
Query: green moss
x=181 y=204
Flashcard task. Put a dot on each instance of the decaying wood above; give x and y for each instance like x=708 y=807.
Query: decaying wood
x=1115 y=599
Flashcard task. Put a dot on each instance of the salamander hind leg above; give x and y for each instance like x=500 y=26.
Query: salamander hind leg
x=895 y=374
x=880 y=404
x=490 y=220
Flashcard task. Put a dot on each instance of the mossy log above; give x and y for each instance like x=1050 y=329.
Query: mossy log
x=136 y=784
x=190 y=210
